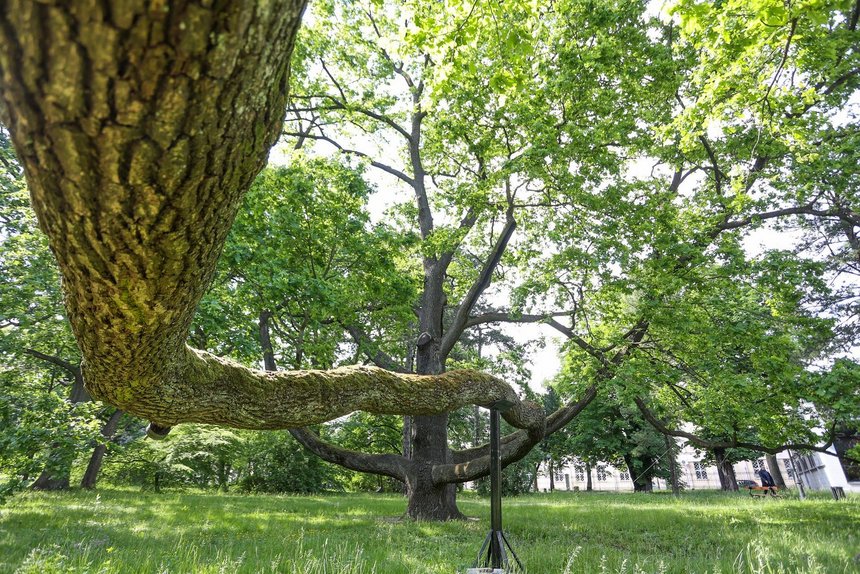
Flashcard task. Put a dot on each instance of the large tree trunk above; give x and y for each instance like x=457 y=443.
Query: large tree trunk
x=428 y=499
x=641 y=481
x=725 y=471
x=773 y=465
x=140 y=126
x=671 y=448
x=94 y=466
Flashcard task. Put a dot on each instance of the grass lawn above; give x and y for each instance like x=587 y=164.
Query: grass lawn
x=127 y=531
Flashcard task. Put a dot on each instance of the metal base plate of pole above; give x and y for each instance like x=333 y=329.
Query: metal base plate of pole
x=496 y=554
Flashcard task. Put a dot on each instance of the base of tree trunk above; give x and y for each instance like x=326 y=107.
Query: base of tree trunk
x=48 y=482
x=437 y=504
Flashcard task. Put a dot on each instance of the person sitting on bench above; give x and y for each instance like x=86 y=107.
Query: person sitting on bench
x=767 y=480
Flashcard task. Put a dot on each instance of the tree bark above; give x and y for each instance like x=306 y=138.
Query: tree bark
x=773 y=465
x=588 y=485
x=671 y=448
x=725 y=471
x=428 y=499
x=641 y=481
x=139 y=127
x=94 y=466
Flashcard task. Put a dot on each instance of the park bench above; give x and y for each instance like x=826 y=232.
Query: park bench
x=763 y=490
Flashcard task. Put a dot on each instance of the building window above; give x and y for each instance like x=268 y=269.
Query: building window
x=807 y=463
x=701 y=471
x=758 y=464
x=624 y=475
x=579 y=474
x=559 y=476
x=789 y=469
x=602 y=474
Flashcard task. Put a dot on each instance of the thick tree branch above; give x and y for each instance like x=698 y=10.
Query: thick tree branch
x=473 y=463
x=458 y=325
x=393 y=465
x=74 y=370
x=508 y=317
x=807 y=209
x=379 y=358
x=219 y=391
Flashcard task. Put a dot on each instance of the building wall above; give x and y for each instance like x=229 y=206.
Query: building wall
x=817 y=471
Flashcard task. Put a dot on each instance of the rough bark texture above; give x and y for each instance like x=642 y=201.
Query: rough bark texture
x=671 y=449
x=140 y=125
x=642 y=482
x=725 y=470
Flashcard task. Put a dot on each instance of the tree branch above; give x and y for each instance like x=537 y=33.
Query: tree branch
x=458 y=325
x=473 y=463
x=380 y=359
x=377 y=164
x=393 y=465
x=807 y=209
x=711 y=444
x=219 y=391
x=508 y=317
x=73 y=370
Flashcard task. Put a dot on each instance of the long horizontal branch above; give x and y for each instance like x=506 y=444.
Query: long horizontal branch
x=214 y=390
x=473 y=463
x=508 y=317
x=377 y=164
x=393 y=465
x=711 y=444
x=798 y=210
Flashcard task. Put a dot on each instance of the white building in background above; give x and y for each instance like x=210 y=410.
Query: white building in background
x=817 y=471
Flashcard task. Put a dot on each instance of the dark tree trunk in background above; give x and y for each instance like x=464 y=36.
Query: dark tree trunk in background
x=426 y=499
x=94 y=466
x=671 y=448
x=588 y=485
x=725 y=470
x=641 y=481
x=57 y=472
x=56 y=475
x=551 y=468
x=775 y=472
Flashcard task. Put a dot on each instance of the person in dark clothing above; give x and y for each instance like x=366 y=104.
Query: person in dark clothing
x=767 y=480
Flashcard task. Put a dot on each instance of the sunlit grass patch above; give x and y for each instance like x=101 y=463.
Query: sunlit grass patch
x=118 y=531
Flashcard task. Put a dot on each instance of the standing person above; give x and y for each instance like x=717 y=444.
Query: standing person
x=767 y=480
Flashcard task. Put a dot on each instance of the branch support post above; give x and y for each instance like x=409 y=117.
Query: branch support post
x=493 y=556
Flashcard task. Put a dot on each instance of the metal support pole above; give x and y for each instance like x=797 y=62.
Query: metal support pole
x=498 y=548
x=494 y=551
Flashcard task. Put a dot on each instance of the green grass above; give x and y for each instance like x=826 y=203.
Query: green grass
x=125 y=531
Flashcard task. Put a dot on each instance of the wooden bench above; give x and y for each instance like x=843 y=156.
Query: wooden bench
x=763 y=490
